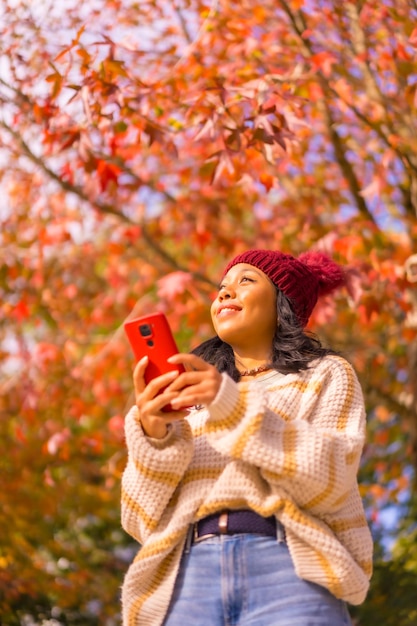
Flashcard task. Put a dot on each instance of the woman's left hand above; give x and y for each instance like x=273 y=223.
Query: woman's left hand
x=198 y=385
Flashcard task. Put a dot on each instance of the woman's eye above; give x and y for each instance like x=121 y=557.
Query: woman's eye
x=247 y=278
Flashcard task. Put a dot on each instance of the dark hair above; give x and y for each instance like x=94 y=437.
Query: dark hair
x=293 y=349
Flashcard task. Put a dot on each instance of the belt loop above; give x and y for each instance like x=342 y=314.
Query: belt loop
x=223 y=523
x=280 y=533
x=189 y=539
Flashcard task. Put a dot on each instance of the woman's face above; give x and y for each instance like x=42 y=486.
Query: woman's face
x=244 y=312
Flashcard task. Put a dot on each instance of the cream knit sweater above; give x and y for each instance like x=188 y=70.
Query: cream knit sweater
x=283 y=445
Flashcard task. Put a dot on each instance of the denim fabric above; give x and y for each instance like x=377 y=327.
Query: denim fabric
x=248 y=580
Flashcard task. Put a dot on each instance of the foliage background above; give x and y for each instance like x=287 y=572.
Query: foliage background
x=142 y=144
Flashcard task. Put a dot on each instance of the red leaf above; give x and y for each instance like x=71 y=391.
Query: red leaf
x=21 y=311
x=107 y=173
x=323 y=61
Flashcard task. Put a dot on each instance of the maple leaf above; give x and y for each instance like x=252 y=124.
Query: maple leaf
x=173 y=284
x=21 y=311
x=323 y=61
x=413 y=38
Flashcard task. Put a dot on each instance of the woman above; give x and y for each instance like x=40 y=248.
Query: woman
x=247 y=507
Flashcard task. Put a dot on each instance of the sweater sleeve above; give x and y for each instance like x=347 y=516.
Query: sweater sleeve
x=153 y=471
x=305 y=434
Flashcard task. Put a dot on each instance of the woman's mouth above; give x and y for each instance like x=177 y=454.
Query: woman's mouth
x=227 y=310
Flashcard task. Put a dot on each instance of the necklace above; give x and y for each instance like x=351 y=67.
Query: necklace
x=256 y=370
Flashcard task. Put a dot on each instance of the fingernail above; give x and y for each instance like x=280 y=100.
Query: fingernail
x=144 y=359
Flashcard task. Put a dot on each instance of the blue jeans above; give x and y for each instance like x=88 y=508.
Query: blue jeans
x=248 y=580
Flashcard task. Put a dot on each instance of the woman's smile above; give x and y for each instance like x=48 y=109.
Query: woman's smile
x=228 y=309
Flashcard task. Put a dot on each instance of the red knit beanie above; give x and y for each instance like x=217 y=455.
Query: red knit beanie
x=302 y=280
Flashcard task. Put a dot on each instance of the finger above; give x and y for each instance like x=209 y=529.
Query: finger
x=154 y=407
x=186 y=379
x=203 y=392
x=190 y=398
x=179 y=403
x=156 y=385
x=138 y=375
x=192 y=360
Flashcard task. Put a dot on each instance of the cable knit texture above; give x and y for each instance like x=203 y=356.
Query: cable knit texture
x=283 y=445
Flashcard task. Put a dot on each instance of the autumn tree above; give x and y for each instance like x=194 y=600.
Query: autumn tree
x=141 y=145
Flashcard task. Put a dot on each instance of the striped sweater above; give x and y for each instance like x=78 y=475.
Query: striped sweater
x=283 y=445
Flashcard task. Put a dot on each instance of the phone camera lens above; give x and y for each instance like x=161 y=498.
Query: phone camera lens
x=145 y=330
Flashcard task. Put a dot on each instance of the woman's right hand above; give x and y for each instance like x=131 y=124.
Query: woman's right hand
x=150 y=402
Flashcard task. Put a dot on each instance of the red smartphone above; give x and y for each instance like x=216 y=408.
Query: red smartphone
x=151 y=336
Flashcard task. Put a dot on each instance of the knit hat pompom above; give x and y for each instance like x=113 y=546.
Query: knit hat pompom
x=329 y=274
x=302 y=280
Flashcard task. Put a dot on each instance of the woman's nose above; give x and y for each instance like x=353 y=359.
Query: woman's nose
x=226 y=293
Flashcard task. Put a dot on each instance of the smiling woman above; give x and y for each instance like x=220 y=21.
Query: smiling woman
x=247 y=507
x=244 y=314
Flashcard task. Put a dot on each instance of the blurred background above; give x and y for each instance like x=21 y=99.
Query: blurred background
x=142 y=145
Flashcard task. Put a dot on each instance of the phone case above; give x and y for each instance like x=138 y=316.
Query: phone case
x=151 y=335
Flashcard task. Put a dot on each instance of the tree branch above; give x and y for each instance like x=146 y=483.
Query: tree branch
x=359 y=47
x=103 y=207
x=20 y=95
x=346 y=167
x=299 y=26
x=183 y=23
x=192 y=43
x=409 y=194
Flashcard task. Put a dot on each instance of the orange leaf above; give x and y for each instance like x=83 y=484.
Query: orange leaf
x=413 y=38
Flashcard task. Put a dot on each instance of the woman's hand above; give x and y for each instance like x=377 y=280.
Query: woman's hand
x=150 y=402
x=199 y=385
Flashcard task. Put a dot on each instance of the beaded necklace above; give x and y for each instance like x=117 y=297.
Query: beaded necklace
x=256 y=370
